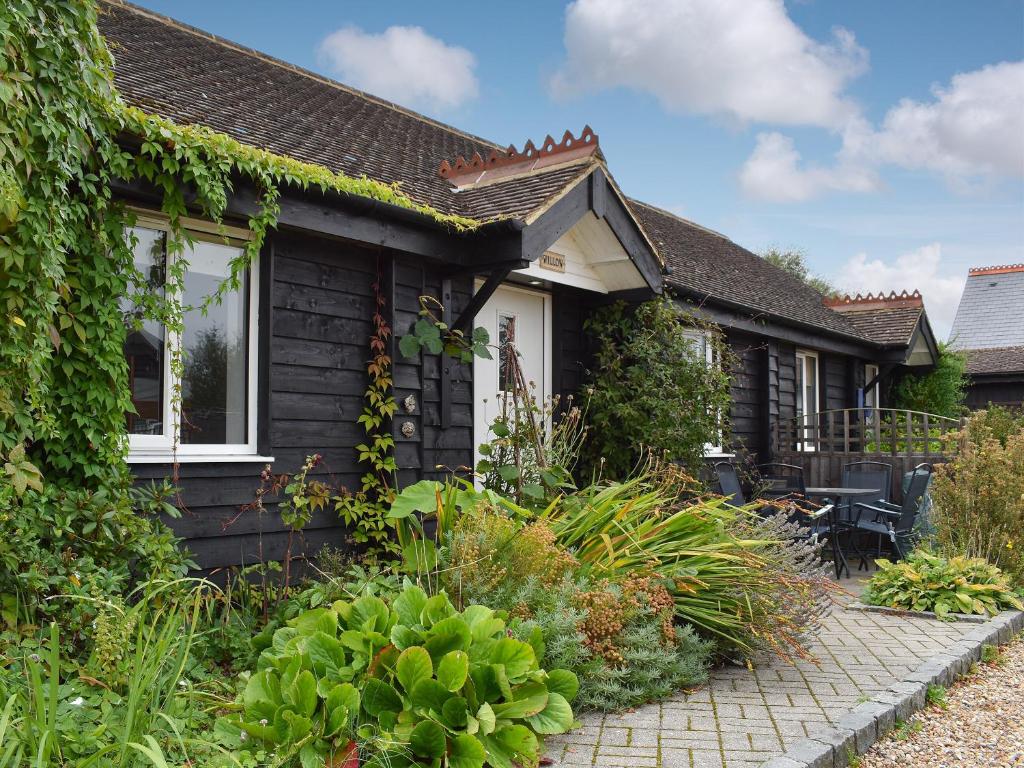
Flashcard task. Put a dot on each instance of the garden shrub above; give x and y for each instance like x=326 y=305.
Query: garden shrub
x=620 y=639
x=487 y=551
x=651 y=388
x=137 y=685
x=533 y=448
x=929 y=582
x=996 y=422
x=978 y=495
x=415 y=682
x=64 y=549
x=940 y=391
x=638 y=654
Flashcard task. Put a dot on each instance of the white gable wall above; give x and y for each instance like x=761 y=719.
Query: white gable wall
x=594 y=260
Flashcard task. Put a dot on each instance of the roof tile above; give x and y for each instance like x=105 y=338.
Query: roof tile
x=709 y=264
x=991 y=311
x=995 y=360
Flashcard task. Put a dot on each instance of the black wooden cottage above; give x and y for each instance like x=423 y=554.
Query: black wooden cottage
x=281 y=364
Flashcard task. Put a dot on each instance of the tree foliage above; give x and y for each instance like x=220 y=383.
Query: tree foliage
x=795 y=262
x=651 y=387
x=940 y=391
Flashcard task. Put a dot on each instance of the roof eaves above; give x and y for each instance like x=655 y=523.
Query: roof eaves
x=625 y=201
x=756 y=313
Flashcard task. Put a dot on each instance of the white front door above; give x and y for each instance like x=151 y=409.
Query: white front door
x=522 y=317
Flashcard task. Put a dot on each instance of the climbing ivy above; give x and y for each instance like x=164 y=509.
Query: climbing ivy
x=64 y=251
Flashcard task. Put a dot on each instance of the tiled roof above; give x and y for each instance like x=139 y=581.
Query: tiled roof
x=991 y=311
x=886 y=325
x=710 y=265
x=519 y=197
x=995 y=360
x=888 y=320
x=193 y=77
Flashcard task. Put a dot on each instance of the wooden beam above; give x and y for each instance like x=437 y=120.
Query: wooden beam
x=361 y=220
x=598 y=196
x=622 y=222
x=556 y=221
x=494 y=279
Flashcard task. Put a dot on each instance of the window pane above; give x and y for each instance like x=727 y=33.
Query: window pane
x=215 y=382
x=145 y=342
x=506 y=348
x=810 y=377
x=800 y=385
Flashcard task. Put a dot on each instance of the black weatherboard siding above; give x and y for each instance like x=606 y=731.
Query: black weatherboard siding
x=747 y=390
x=319 y=322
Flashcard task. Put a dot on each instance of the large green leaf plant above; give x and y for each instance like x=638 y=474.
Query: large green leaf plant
x=411 y=683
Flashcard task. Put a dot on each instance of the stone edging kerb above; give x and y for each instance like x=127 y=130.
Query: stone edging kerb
x=860 y=728
x=967 y=618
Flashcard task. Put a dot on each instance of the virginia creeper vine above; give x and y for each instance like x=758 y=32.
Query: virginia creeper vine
x=366 y=509
x=65 y=253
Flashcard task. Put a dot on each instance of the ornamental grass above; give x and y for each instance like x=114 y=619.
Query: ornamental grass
x=752 y=583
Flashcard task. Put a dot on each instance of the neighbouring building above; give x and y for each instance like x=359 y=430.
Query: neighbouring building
x=989 y=328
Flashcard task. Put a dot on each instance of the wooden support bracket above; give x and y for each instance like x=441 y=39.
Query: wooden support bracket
x=494 y=279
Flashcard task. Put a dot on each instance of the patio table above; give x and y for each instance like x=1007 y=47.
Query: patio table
x=825 y=493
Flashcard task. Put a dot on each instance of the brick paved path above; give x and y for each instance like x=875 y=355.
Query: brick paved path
x=742 y=718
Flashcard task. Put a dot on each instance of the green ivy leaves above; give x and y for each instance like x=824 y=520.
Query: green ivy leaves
x=21 y=472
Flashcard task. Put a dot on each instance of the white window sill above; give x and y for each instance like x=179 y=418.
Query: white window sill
x=196 y=458
x=719 y=455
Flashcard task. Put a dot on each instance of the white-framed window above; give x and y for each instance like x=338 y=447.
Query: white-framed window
x=871 y=398
x=217 y=388
x=702 y=343
x=807 y=389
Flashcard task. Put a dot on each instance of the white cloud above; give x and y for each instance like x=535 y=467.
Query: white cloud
x=773 y=173
x=975 y=126
x=741 y=59
x=403 y=64
x=921 y=269
x=971 y=132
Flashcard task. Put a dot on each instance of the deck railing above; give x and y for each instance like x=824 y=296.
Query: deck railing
x=867 y=431
x=823 y=444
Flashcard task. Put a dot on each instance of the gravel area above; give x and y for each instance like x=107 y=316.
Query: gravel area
x=982 y=725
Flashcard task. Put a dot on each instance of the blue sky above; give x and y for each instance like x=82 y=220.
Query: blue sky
x=885 y=139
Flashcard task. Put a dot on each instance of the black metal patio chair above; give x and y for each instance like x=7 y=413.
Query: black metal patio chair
x=729 y=483
x=864 y=474
x=782 y=481
x=891 y=521
x=784 y=484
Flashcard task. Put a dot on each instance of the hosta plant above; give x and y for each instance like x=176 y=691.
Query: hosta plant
x=412 y=683
x=927 y=582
